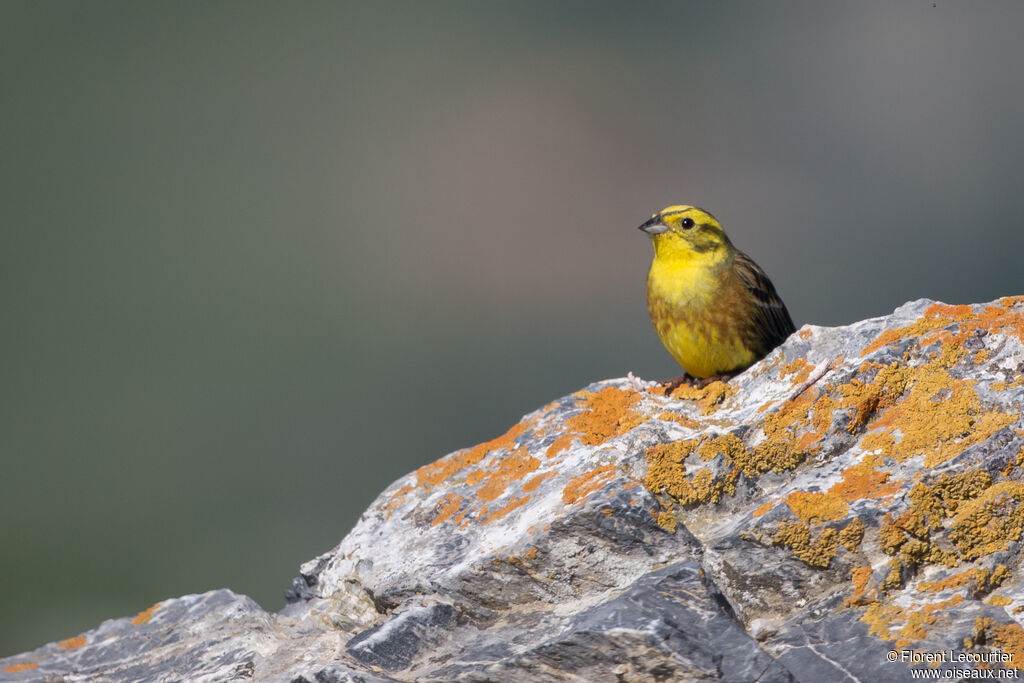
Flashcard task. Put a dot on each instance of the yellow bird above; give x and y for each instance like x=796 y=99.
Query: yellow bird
x=714 y=309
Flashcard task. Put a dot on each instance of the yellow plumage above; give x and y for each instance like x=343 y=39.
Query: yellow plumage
x=713 y=308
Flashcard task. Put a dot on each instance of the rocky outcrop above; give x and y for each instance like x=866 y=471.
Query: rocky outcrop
x=850 y=508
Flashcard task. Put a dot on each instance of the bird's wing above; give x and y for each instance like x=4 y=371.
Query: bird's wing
x=772 y=319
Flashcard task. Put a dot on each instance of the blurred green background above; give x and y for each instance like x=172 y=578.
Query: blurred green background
x=259 y=260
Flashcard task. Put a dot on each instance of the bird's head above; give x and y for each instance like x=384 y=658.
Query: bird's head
x=686 y=232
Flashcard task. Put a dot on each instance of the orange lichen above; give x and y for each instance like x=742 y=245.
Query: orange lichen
x=439 y=471
x=72 y=643
x=145 y=615
x=606 y=414
x=585 y=484
x=977 y=577
x=763 y=508
x=512 y=467
x=561 y=443
x=799 y=367
x=501 y=512
x=766 y=365
x=708 y=398
x=714 y=395
x=397 y=498
x=813 y=506
x=685 y=421
x=999 y=600
x=859 y=482
x=22 y=666
x=805 y=334
x=863 y=481
x=860 y=577
x=933 y=327
x=936 y=316
x=536 y=481
x=884 y=620
x=450 y=504
x=1010 y=639
x=531 y=553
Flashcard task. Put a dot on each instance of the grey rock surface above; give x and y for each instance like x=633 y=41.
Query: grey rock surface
x=855 y=498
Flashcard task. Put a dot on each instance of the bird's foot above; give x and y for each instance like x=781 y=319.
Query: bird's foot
x=720 y=377
x=675 y=382
x=695 y=382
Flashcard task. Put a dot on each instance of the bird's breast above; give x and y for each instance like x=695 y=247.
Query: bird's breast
x=700 y=317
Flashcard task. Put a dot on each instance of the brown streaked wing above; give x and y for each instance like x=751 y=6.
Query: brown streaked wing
x=771 y=323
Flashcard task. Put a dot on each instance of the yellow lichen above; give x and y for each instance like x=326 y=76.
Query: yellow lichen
x=666 y=473
x=999 y=574
x=894 y=579
x=666 y=521
x=815 y=552
x=852 y=534
x=988 y=523
x=862 y=481
x=878 y=617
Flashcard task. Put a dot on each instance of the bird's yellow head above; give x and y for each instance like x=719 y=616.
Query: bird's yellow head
x=686 y=232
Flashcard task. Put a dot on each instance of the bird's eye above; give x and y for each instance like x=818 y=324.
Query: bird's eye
x=687 y=223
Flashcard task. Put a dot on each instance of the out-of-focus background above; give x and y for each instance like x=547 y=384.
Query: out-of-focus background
x=259 y=260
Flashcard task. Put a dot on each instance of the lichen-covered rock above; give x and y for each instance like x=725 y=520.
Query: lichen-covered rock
x=849 y=508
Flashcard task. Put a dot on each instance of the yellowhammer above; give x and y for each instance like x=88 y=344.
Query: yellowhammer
x=714 y=309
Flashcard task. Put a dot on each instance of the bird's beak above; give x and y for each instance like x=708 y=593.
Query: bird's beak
x=654 y=226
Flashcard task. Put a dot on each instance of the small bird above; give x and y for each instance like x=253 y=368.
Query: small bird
x=714 y=309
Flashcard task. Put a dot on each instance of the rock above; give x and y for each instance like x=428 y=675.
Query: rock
x=849 y=508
